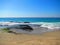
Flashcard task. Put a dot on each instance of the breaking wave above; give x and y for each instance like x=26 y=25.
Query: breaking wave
x=50 y=25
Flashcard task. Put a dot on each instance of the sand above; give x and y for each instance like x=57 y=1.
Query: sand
x=49 y=38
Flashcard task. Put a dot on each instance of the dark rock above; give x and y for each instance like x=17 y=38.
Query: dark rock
x=26 y=22
x=5 y=25
x=11 y=21
x=1 y=25
x=25 y=27
x=12 y=32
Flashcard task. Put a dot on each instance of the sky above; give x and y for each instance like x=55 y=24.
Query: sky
x=29 y=8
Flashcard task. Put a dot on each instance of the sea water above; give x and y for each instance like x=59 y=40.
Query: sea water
x=45 y=22
x=48 y=24
x=30 y=19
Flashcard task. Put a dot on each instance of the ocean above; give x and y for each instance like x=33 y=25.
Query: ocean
x=47 y=24
x=30 y=19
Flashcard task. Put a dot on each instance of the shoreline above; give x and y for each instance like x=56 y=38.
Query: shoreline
x=49 y=38
x=30 y=28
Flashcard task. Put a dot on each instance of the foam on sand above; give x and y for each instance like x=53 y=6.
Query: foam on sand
x=50 y=25
x=38 y=27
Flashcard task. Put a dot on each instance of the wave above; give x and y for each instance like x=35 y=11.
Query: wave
x=49 y=25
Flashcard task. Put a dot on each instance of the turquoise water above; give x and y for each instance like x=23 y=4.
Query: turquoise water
x=30 y=19
x=46 y=24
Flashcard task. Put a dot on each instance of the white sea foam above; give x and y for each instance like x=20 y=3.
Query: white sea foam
x=38 y=27
x=49 y=25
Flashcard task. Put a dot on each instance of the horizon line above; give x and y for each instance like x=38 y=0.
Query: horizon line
x=29 y=17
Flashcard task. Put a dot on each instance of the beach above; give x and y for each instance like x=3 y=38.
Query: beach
x=49 y=38
x=30 y=33
x=29 y=22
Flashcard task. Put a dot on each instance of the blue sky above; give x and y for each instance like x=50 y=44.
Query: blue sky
x=29 y=8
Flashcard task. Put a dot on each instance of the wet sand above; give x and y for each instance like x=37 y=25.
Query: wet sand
x=48 y=38
x=36 y=30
